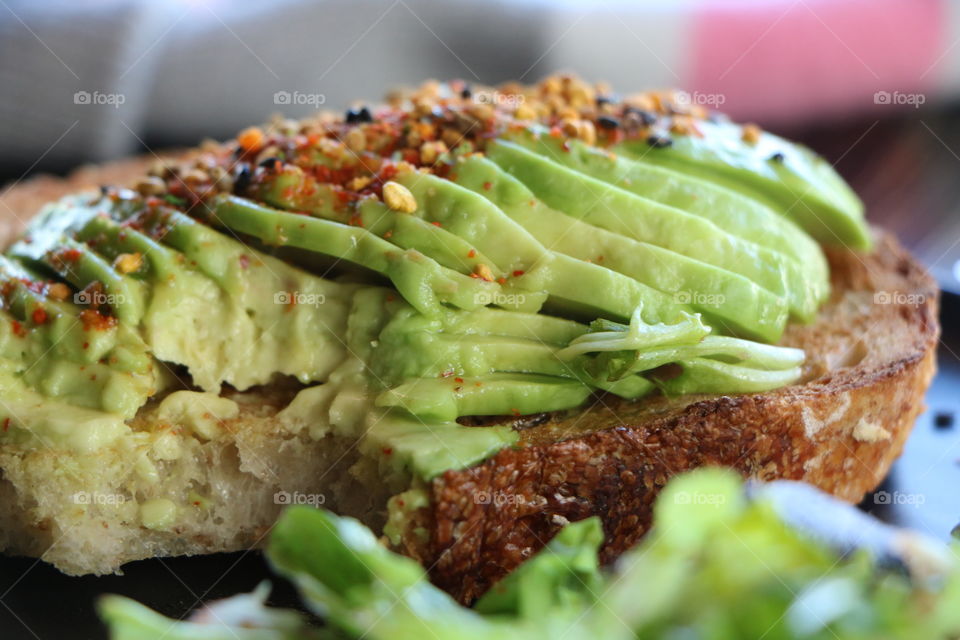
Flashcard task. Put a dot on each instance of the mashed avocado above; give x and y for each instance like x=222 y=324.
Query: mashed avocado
x=444 y=258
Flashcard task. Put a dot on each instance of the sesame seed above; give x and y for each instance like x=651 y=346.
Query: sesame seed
x=398 y=197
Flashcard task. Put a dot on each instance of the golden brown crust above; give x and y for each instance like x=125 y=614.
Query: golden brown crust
x=870 y=359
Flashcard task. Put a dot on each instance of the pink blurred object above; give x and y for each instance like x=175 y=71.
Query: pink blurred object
x=819 y=58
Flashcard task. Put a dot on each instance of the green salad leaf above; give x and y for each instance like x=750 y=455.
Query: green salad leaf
x=718 y=564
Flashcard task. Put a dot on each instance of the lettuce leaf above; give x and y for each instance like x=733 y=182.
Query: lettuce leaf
x=720 y=563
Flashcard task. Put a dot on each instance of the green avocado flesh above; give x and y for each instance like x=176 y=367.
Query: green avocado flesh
x=517 y=280
x=786 y=176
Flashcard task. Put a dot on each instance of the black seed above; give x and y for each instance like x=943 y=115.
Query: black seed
x=104 y=189
x=658 y=141
x=242 y=179
x=647 y=118
x=362 y=114
x=943 y=420
x=777 y=157
x=466 y=93
x=269 y=163
x=602 y=100
x=606 y=122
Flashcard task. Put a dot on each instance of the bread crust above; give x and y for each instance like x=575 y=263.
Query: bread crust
x=871 y=356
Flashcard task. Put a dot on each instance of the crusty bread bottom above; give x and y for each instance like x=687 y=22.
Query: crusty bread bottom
x=870 y=360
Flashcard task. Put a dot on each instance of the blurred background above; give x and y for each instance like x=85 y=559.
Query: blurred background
x=873 y=85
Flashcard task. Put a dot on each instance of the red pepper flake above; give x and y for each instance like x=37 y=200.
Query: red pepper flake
x=388 y=234
x=18 y=329
x=86 y=345
x=401 y=503
x=516 y=413
x=244 y=261
x=94 y=320
x=501 y=280
x=6 y=424
x=387 y=451
x=458 y=379
x=71 y=255
x=478 y=384
x=391 y=297
x=472 y=253
x=436 y=224
x=447 y=373
x=518 y=272
x=39 y=316
x=487 y=186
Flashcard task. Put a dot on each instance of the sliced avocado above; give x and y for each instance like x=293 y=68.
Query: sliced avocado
x=739 y=214
x=252 y=299
x=204 y=293
x=292 y=189
x=495 y=394
x=429 y=355
x=418 y=278
x=704 y=375
x=590 y=289
x=50 y=244
x=733 y=302
x=789 y=177
x=429 y=449
x=528 y=326
x=625 y=213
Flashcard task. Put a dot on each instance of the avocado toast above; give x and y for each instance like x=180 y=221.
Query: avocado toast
x=466 y=318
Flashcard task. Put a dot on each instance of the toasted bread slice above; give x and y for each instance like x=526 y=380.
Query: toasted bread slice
x=870 y=359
